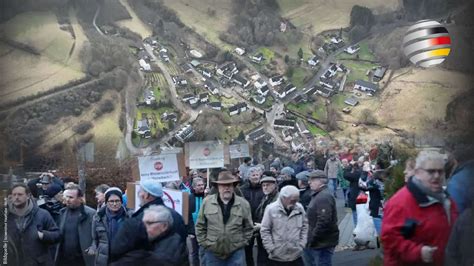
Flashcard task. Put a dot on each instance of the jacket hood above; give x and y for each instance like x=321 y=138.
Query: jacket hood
x=31 y=207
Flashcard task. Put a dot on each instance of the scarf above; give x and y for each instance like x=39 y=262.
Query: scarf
x=434 y=197
x=113 y=221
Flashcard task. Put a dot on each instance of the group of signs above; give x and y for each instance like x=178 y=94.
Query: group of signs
x=169 y=167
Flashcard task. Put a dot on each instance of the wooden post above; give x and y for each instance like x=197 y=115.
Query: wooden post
x=208 y=178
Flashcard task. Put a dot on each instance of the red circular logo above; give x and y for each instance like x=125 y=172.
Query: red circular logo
x=158 y=166
x=206 y=151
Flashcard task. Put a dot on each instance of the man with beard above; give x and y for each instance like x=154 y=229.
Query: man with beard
x=224 y=226
x=31 y=230
x=75 y=224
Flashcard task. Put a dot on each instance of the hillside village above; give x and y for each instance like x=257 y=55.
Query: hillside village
x=236 y=86
x=290 y=85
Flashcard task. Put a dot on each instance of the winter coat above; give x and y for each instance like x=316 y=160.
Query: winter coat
x=266 y=200
x=459 y=183
x=195 y=203
x=132 y=235
x=412 y=220
x=353 y=178
x=84 y=229
x=375 y=188
x=322 y=220
x=220 y=239
x=284 y=236
x=460 y=251
x=305 y=197
x=253 y=194
x=24 y=246
x=343 y=183
x=331 y=168
x=100 y=238
x=167 y=250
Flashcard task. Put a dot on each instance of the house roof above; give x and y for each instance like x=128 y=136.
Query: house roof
x=189 y=95
x=351 y=101
x=276 y=78
x=215 y=104
x=240 y=79
x=298 y=98
x=241 y=105
x=367 y=84
x=324 y=90
x=302 y=126
x=209 y=84
x=380 y=72
x=259 y=98
x=195 y=63
x=186 y=67
x=264 y=89
x=289 y=86
x=203 y=95
x=284 y=122
x=257 y=134
x=310 y=91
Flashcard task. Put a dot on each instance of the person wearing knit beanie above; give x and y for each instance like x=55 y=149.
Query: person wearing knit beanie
x=113 y=191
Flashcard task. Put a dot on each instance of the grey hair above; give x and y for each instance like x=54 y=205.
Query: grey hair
x=424 y=156
x=197 y=179
x=253 y=169
x=288 y=191
x=160 y=213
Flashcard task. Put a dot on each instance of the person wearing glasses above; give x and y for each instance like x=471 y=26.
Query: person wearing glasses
x=106 y=223
x=418 y=219
x=164 y=246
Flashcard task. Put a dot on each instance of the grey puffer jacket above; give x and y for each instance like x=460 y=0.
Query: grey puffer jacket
x=100 y=236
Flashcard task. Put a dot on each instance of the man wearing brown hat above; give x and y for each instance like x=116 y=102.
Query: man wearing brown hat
x=224 y=225
x=323 y=230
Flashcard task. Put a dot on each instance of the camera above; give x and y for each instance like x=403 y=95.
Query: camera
x=51 y=205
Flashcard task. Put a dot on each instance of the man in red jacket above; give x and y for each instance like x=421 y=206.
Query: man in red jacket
x=419 y=217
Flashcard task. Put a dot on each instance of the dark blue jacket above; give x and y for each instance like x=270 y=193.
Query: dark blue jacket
x=24 y=246
x=459 y=186
x=132 y=234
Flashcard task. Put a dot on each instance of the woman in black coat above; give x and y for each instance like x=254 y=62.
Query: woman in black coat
x=352 y=174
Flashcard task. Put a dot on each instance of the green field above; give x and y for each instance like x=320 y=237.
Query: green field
x=41 y=31
x=317 y=111
x=299 y=76
x=338 y=100
x=358 y=69
x=316 y=130
x=364 y=53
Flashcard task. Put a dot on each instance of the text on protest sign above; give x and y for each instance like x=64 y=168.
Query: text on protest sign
x=162 y=168
x=206 y=154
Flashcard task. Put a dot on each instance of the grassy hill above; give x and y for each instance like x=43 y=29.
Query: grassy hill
x=54 y=61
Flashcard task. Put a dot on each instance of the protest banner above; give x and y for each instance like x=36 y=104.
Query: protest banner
x=240 y=150
x=205 y=154
x=163 y=167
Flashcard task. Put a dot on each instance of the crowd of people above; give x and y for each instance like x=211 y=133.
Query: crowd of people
x=273 y=214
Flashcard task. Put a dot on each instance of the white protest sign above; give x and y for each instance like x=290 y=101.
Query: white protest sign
x=239 y=150
x=206 y=154
x=162 y=168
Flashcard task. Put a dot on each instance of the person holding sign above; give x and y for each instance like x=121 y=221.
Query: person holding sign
x=224 y=225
